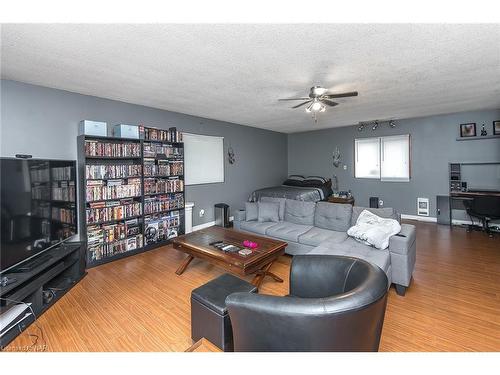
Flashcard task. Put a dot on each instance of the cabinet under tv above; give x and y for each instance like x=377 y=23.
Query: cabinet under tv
x=131 y=193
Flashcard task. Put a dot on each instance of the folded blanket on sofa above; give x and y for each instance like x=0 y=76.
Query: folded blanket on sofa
x=374 y=230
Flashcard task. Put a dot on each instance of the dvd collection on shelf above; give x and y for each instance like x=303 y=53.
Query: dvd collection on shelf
x=154 y=134
x=113 y=189
x=117 y=221
x=106 y=171
x=112 y=149
x=154 y=185
x=111 y=239
x=162 y=203
x=160 y=228
x=113 y=210
x=153 y=150
x=164 y=168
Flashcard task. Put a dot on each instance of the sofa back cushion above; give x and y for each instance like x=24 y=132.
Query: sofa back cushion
x=299 y=212
x=386 y=213
x=252 y=211
x=333 y=216
x=281 y=201
x=268 y=211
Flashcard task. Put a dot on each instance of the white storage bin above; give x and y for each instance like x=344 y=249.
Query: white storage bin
x=126 y=131
x=89 y=127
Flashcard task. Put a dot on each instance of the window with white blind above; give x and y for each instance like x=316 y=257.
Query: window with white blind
x=367 y=154
x=395 y=158
x=384 y=158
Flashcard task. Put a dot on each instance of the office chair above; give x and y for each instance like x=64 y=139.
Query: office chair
x=485 y=208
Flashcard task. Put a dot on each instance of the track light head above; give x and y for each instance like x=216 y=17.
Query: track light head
x=361 y=127
x=392 y=124
x=375 y=125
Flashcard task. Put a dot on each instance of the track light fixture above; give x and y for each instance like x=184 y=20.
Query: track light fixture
x=361 y=127
x=375 y=125
x=392 y=124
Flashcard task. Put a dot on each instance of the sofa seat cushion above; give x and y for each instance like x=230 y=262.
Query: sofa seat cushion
x=315 y=236
x=287 y=231
x=333 y=216
x=353 y=248
x=299 y=212
x=256 y=226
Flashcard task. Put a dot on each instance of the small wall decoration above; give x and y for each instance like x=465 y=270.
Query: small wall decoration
x=468 y=130
x=496 y=127
x=230 y=155
x=483 y=131
x=337 y=157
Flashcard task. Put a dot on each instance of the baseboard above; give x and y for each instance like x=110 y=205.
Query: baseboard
x=208 y=224
x=429 y=219
x=432 y=219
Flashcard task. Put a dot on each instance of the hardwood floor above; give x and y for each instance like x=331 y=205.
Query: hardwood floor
x=140 y=304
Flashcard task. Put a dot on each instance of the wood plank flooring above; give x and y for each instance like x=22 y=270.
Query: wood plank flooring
x=140 y=304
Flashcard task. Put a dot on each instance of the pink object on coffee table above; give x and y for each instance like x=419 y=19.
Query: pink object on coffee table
x=250 y=244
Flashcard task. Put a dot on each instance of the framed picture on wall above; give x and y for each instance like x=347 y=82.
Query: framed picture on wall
x=468 y=130
x=496 y=127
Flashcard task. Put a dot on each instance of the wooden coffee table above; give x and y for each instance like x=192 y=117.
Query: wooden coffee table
x=197 y=245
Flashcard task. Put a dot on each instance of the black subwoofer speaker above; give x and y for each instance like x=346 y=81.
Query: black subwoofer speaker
x=373 y=202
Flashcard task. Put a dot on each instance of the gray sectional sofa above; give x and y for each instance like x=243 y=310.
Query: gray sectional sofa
x=321 y=228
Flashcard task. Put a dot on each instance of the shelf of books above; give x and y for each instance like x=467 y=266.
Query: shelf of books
x=111 y=197
x=132 y=195
x=163 y=167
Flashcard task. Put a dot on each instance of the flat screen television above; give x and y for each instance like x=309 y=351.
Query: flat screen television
x=38 y=208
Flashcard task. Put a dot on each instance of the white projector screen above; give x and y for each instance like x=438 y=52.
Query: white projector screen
x=203 y=159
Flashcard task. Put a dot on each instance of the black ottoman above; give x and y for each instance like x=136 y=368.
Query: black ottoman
x=209 y=316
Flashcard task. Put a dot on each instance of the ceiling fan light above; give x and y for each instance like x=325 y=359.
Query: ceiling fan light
x=317 y=106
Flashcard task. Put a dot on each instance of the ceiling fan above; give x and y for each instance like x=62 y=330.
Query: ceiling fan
x=319 y=98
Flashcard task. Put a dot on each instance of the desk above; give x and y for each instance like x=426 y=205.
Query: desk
x=460 y=196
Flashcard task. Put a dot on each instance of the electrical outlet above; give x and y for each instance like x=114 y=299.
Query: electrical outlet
x=202 y=213
x=381 y=203
x=345 y=167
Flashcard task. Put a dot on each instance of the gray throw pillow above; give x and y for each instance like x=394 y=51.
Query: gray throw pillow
x=252 y=211
x=281 y=201
x=269 y=211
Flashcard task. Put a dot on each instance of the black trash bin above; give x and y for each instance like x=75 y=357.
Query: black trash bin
x=222 y=215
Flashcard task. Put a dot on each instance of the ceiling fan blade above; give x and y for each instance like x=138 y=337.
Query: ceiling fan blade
x=301 y=104
x=341 y=95
x=306 y=98
x=329 y=102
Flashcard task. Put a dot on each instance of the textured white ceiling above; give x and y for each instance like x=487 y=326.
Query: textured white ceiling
x=236 y=73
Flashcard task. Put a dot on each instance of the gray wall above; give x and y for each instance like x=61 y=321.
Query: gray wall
x=434 y=145
x=43 y=122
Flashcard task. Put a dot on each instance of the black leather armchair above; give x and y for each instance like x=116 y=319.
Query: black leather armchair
x=336 y=303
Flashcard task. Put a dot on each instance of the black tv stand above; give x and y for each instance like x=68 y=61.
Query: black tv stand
x=29 y=266
x=62 y=267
